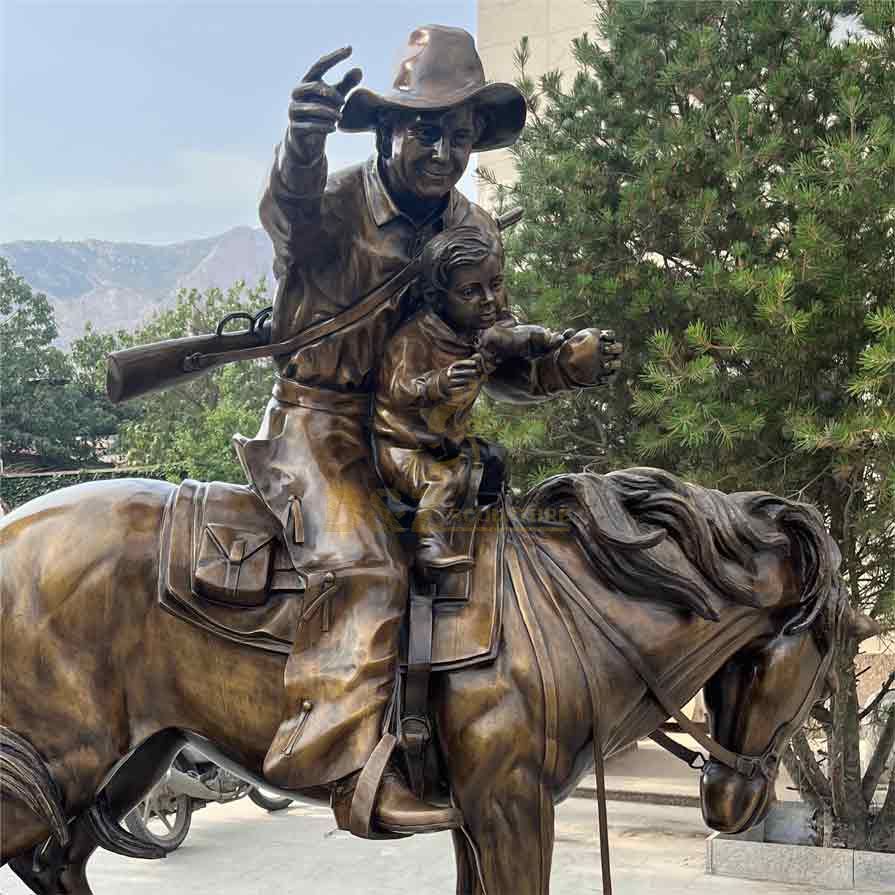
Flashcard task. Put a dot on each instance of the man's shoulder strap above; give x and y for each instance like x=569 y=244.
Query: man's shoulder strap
x=369 y=303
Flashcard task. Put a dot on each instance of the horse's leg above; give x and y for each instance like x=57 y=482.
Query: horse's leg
x=495 y=762
x=58 y=872
x=512 y=828
x=142 y=770
x=467 y=865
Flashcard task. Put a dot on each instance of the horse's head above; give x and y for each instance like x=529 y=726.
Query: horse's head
x=760 y=698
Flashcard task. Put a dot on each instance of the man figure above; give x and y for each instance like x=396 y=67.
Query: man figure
x=343 y=245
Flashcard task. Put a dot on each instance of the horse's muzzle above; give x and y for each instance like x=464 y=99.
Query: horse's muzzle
x=732 y=802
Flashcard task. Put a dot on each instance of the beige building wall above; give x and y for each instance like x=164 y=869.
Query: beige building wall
x=550 y=26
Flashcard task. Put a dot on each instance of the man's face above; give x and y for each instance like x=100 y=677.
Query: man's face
x=430 y=151
x=471 y=299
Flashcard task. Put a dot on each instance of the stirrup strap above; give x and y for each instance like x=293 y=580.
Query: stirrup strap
x=415 y=729
x=360 y=821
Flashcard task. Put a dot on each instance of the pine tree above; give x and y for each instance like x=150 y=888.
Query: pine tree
x=717 y=184
x=53 y=414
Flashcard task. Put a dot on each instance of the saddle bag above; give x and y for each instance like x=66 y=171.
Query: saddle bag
x=233 y=566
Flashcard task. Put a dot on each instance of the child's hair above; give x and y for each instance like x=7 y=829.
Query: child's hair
x=450 y=249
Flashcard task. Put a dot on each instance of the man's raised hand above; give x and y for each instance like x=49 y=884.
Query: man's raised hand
x=316 y=106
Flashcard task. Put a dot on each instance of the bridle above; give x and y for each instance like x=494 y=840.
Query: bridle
x=747 y=765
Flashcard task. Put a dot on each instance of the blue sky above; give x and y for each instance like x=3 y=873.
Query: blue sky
x=156 y=122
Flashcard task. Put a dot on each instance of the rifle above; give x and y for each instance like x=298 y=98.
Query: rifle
x=137 y=371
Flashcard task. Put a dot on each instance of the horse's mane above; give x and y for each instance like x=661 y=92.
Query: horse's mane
x=652 y=535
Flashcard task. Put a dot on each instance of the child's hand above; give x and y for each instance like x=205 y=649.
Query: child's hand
x=460 y=375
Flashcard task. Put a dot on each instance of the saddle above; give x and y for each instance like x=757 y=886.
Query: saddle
x=225 y=567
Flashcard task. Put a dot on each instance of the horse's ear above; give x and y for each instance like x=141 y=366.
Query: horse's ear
x=862 y=626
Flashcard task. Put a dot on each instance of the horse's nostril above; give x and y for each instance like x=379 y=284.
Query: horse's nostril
x=732 y=803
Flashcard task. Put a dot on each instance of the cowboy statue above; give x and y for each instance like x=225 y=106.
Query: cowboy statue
x=439 y=673
x=343 y=241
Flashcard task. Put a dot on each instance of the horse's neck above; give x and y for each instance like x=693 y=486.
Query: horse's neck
x=682 y=649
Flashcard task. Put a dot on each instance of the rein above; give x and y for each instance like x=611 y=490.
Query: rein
x=746 y=765
x=527 y=548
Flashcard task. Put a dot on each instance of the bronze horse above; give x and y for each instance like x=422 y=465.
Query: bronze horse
x=739 y=594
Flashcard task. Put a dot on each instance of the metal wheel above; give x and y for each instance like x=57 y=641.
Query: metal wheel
x=268 y=801
x=162 y=819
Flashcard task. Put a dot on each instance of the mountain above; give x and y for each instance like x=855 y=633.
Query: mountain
x=117 y=285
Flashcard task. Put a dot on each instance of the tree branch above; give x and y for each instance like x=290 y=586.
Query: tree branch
x=886 y=687
x=805 y=767
x=880 y=756
x=791 y=763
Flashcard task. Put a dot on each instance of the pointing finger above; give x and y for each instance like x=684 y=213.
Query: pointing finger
x=350 y=81
x=325 y=63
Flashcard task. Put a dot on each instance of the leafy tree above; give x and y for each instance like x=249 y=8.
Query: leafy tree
x=189 y=427
x=52 y=413
x=717 y=182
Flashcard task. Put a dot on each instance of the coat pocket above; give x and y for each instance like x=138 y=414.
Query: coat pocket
x=233 y=566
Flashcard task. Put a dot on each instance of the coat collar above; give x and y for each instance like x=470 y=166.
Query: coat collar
x=380 y=202
x=443 y=335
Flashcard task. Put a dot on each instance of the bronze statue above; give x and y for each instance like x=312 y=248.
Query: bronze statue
x=648 y=576
x=573 y=622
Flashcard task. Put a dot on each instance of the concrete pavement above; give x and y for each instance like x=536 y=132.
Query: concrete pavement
x=239 y=849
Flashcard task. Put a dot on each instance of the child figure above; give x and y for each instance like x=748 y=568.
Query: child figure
x=431 y=375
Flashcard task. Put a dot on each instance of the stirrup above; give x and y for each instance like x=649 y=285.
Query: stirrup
x=363 y=801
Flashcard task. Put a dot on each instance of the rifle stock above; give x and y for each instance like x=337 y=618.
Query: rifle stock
x=143 y=369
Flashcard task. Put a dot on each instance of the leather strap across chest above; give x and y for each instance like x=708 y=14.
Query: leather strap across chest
x=335 y=324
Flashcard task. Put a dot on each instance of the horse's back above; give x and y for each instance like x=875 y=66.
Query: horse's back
x=60 y=537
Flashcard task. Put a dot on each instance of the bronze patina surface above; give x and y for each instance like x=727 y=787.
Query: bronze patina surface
x=619 y=596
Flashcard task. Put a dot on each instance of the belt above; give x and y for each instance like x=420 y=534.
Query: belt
x=288 y=391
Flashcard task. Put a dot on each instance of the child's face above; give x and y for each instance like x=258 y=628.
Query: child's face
x=474 y=291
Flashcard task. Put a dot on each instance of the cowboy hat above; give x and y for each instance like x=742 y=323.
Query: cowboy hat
x=440 y=70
